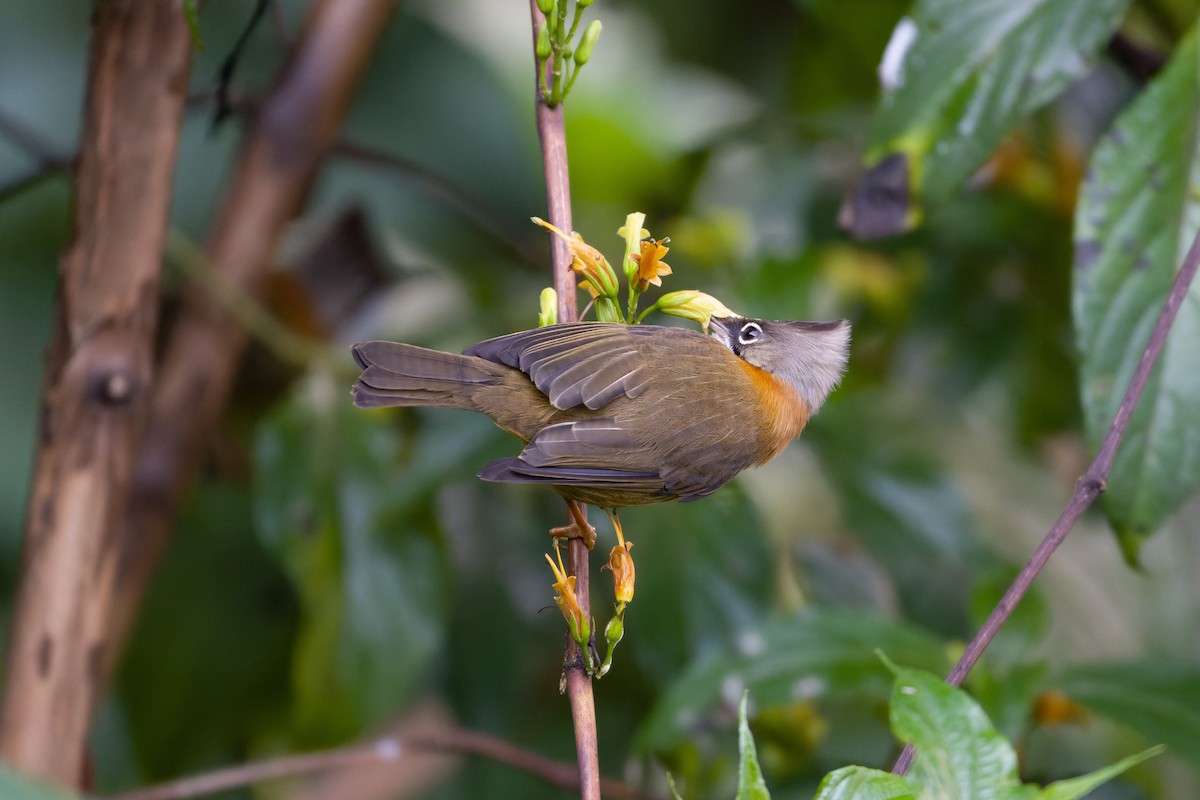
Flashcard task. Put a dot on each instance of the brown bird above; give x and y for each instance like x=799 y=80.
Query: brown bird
x=619 y=415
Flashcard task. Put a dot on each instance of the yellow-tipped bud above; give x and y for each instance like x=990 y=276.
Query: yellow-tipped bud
x=693 y=305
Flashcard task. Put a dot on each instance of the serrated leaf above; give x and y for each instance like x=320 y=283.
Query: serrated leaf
x=1074 y=788
x=751 y=785
x=959 y=752
x=819 y=653
x=15 y=786
x=1159 y=699
x=863 y=783
x=1136 y=218
x=974 y=68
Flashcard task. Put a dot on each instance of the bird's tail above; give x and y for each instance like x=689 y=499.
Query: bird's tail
x=406 y=375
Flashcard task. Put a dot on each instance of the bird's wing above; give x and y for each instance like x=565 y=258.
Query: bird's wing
x=589 y=452
x=587 y=363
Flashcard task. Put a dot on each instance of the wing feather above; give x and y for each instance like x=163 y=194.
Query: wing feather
x=586 y=363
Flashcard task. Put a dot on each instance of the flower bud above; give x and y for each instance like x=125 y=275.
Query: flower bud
x=546 y=6
x=542 y=49
x=548 y=307
x=693 y=305
x=588 y=43
x=632 y=232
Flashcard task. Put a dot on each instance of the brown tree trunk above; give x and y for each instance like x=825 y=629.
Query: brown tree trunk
x=98 y=376
x=295 y=130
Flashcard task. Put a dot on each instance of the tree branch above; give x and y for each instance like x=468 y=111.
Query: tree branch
x=288 y=141
x=97 y=383
x=381 y=751
x=1087 y=488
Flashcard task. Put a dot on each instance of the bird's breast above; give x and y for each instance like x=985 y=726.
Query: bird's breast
x=781 y=413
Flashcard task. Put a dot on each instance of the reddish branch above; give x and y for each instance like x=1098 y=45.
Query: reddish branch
x=382 y=751
x=1089 y=486
x=95 y=392
x=552 y=134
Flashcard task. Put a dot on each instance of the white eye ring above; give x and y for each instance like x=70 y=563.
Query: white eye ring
x=750 y=333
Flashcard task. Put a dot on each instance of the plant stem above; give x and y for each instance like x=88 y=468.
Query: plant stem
x=1089 y=486
x=552 y=135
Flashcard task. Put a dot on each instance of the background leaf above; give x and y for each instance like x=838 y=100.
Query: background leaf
x=1159 y=699
x=974 y=68
x=818 y=653
x=1136 y=217
x=370 y=586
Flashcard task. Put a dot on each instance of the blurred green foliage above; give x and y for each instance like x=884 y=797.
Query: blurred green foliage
x=335 y=568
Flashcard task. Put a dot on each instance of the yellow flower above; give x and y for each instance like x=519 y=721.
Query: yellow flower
x=650 y=266
x=587 y=260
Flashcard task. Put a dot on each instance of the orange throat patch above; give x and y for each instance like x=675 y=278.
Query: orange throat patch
x=782 y=412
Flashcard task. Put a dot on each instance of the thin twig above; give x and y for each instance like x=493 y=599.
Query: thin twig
x=385 y=750
x=448 y=190
x=246 y=309
x=1087 y=488
x=16 y=132
x=552 y=134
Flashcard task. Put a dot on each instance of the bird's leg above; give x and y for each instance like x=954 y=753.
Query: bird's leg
x=579 y=528
x=621 y=563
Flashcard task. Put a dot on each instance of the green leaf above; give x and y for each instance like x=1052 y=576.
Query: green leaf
x=15 y=786
x=974 y=68
x=1073 y=788
x=333 y=488
x=863 y=783
x=819 y=653
x=1159 y=699
x=1136 y=217
x=219 y=618
x=191 y=15
x=751 y=785
x=959 y=752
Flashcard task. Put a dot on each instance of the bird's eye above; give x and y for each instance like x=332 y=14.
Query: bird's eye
x=750 y=333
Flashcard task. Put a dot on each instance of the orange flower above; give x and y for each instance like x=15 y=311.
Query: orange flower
x=568 y=603
x=650 y=266
x=588 y=261
x=621 y=564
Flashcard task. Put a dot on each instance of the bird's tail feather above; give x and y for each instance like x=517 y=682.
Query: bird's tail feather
x=397 y=374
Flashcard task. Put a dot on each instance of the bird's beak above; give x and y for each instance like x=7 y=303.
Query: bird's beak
x=723 y=328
